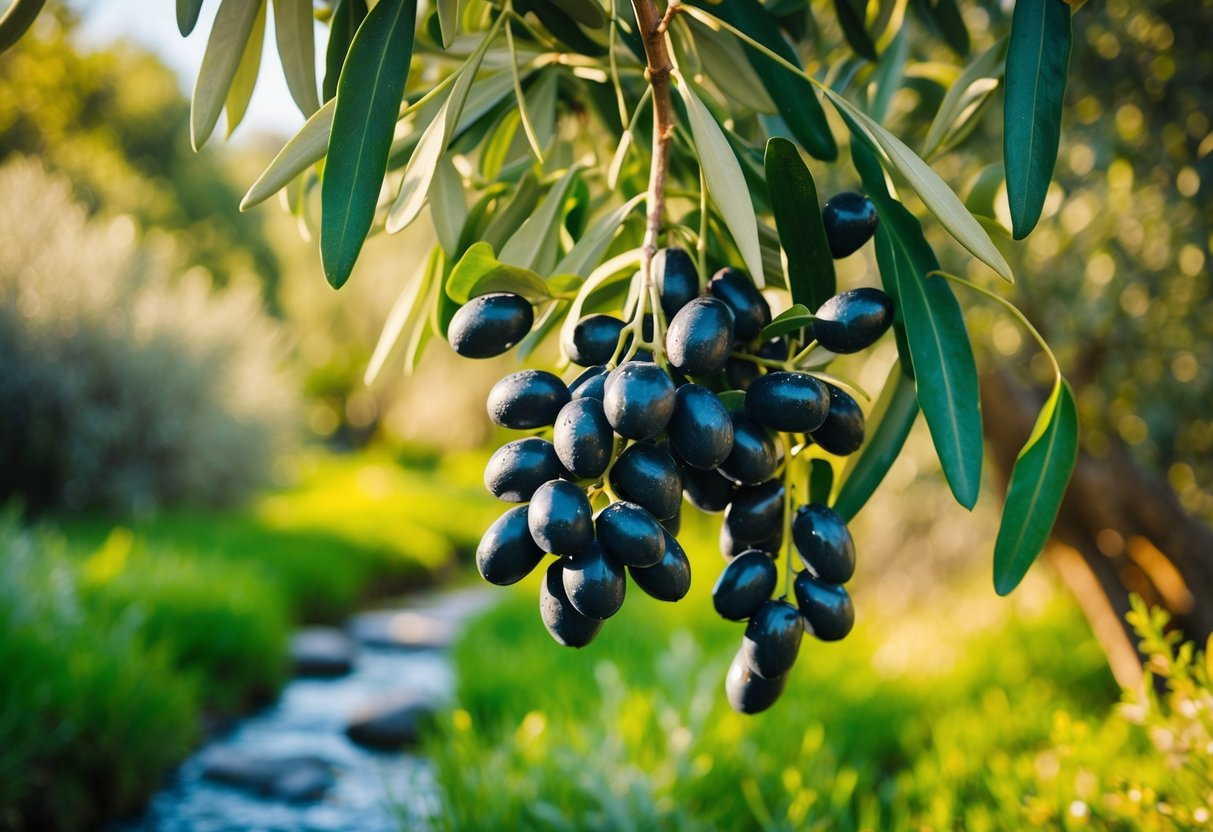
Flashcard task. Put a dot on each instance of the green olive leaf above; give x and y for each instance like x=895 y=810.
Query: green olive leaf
x=851 y=20
x=1038 y=483
x=448 y=208
x=187 y=15
x=294 y=31
x=795 y=317
x=1037 y=62
x=586 y=12
x=368 y=102
x=821 y=481
x=478 y=272
x=802 y=233
x=346 y=18
x=533 y=245
x=241 y=91
x=448 y=21
x=306 y=148
x=234 y=24
x=406 y=312
x=963 y=97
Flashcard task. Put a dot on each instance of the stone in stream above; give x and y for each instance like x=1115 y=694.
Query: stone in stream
x=291 y=778
x=391 y=721
x=420 y=627
x=322 y=651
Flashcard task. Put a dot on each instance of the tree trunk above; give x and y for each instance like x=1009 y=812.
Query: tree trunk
x=1120 y=530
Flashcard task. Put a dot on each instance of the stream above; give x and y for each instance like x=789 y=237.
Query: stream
x=292 y=766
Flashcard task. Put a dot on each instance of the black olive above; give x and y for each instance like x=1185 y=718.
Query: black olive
x=489 y=325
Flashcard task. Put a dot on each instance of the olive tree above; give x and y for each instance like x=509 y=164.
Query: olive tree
x=580 y=158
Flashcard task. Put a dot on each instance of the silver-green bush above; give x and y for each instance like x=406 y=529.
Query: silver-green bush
x=122 y=384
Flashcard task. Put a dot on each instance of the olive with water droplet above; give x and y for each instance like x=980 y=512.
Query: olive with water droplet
x=583 y=438
x=850 y=220
x=677 y=279
x=647 y=475
x=745 y=585
x=527 y=399
x=749 y=693
x=630 y=534
x=700 y=337
x=507 y=553
x=639 y=399
x=854 y=320
x=594 y=582
x=730 y=548
x=787 y=401
x=517 y=468
x=563 y=622
x=670 y=578
x=489 y=325
x=753 y=458
x=772 y=639
x=594 y=340
x=700 y=428
x=591 y=384
x=827 y=609
x=736 y=290
x=560 y=518
x=756 y=513
x=824 y=543
x=842 y=431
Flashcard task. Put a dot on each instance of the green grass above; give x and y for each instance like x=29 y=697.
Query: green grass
x=984 y=715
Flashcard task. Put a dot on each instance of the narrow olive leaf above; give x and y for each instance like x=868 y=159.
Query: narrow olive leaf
x=478 y=272
x=506 y=221
x=448 y=208
x=233 y=24
x=944 y=16
x=793 y=95
x=533 y=245
x=821 y=481
x=423 y=164
x=726 y=182
x=1038 y=483
x=586 y=12
x=594 y=242
x=961 y=96
x=944 y=370
x=347 y=17
x=241 y=91
x=448 y=21
x=724 y=61
x=1037 y=61
x=294 y=31
x=934 y=193
x=888 y=426
x=852 y=23
x=398 y=319
x=363 y=122
x=888 y=76
x=187 y=15
x=802 y=232
x=305 y=149
x=795 y=317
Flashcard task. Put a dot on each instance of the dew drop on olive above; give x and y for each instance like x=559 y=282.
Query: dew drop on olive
x=595 y=338
x=842 y=431
x=630 y=534
x=736 y=290
x=560 y=518
x=583 y=438
x=527 y=399
x=591 y=384
x=749 y=693
x=707 y=490
x=826 y=608
x=670 y=578
x=700 y=337
x=756 y=513
x=594 y=582
x=854 y=320
x=753 y=457
x=677 y=279
x=489 y=325
x=517 y=468
x=824 y=543
x=772 y=639
x=730 y=548
x=647 y=475
x=700 y=429
x=787 y=401
x=563 y=622
x=639 y=399
x=507 y=553
x=745 y=585
x=850 y=220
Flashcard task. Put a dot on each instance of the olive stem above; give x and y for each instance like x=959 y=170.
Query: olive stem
x=789 y=487
x=1010 y=307
x=701 y=242
x=842 y=381
x=804 y=353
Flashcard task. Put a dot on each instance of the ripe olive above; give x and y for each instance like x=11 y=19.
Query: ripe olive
x=673 y=525
x=594 y=582
x=827 y=609
x=639 y=399
x=489 y=325
x=745 y=585
x=700 y=337
x=566 y=625
x=560 y=518
x=590 y=384
x=583 y=438
x=670 y=578
x=517 y=468
x=787 y=401
x=707 y=490
x=507 y=553
x=824 y=543
x=854 y=320
x=647 y=475
x=730 y=548
x=736 y=290
x=753 y=458
x=527 y=399
x=850 y=220
x=749 y=693
x=677 y=279
x=772 y=639
x=630 y=534
x=700 y=430
x=756 y=513
x=595 y=338
x=842 y=431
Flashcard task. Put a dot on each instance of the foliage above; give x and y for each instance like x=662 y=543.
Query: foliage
x=121 y=386
x=90 y=715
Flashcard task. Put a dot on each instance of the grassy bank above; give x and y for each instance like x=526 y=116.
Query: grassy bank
x=116 y=639
x=983 y=714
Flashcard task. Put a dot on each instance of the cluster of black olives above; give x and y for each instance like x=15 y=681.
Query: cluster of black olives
x=635 y=436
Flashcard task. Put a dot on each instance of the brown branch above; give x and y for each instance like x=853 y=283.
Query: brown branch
x=652 y=30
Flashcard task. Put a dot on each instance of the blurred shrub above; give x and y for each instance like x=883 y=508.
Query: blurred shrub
x=90 y=716
x=120 y=386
